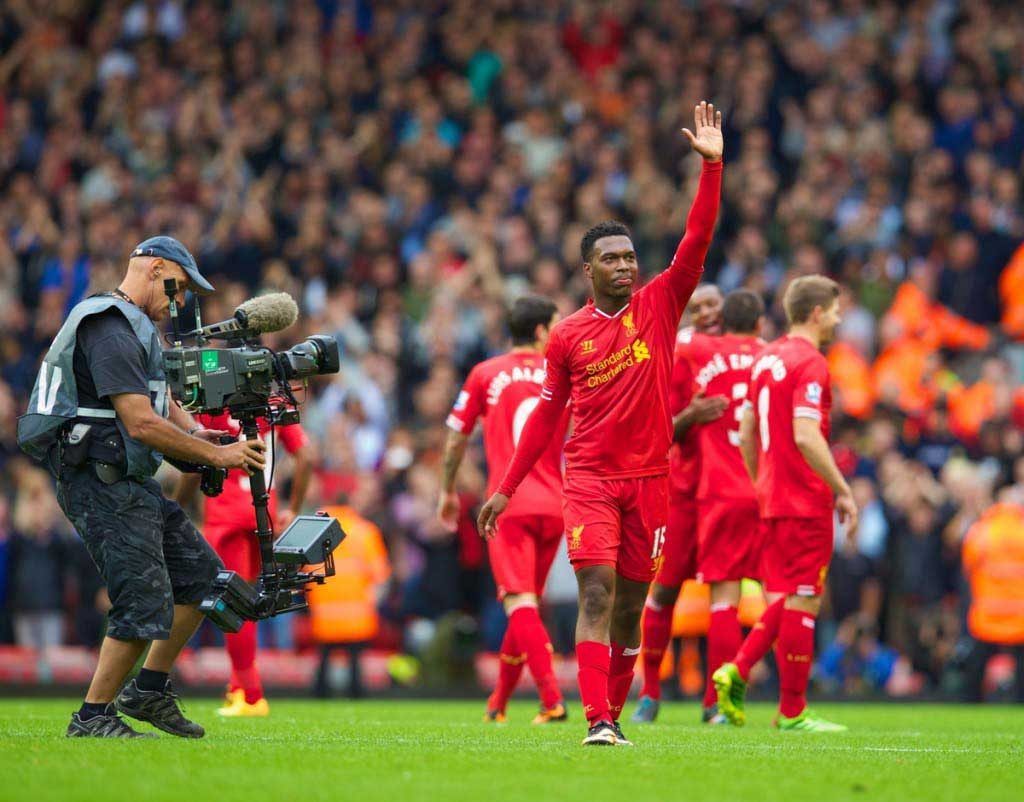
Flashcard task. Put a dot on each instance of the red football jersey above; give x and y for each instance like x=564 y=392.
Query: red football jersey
x=504 y=391
x=616 y=369
x=234 y=504
x=684 y=457
x=789 y=380
x=721 y=366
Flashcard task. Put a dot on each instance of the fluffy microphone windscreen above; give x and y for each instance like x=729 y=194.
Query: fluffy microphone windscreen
x=272 y=312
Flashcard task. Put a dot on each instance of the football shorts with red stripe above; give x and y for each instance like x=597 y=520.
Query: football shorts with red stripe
x=798 y=554
x=617 y=522
x=238 y=549
x=522 y=551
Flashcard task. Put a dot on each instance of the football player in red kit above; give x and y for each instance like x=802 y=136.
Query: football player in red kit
x=613 y=359
x=504 y=391
x=784 y=442
x=680 y=555
x=729 y=530
x=229 y=522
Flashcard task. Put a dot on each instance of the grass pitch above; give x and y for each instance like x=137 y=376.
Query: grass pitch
x=402 y=750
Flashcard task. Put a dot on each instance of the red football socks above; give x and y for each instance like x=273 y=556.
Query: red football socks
x=620 y=676
x=657 y=631
x=510 y=666
x=724 y=640
x=594 y=661
x=241 y=648
x=531 y=637
x=760 y=638
x=794 y=655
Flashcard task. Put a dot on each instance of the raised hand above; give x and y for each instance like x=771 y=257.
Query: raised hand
x=706 y=137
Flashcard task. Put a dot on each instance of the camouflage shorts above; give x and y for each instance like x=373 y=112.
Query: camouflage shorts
x=149 y=554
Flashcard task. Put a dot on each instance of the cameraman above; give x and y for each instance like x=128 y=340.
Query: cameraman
x=101 y=419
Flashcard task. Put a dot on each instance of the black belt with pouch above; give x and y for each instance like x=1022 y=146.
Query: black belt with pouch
x=98 y=444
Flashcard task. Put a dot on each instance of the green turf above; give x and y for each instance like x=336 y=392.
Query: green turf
x=442 y=751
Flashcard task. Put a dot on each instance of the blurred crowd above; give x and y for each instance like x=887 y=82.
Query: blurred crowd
x=406 y=167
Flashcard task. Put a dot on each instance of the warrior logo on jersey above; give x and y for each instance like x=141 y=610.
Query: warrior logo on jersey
x=586 y=347
x=627 y=323
x=814 y=393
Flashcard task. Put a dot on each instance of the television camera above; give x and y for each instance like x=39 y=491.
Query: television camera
x=250 y=382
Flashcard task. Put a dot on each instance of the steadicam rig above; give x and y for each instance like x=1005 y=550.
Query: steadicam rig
x=251 y=382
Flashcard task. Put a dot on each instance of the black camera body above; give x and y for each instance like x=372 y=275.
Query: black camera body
x=252 y=382
x=207 y=379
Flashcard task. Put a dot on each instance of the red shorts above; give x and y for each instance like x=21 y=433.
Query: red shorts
x=797 y=553
x=680 y=553
x=522 y=552
x=617 y=522
x=731 y=537
x=237 y=548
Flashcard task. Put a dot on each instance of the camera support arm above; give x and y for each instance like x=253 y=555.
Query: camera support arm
x=260 y=501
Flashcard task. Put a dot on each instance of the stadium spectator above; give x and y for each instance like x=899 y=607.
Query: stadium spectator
x=36 y=553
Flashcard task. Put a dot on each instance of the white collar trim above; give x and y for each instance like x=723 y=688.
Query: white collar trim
x=611 y=317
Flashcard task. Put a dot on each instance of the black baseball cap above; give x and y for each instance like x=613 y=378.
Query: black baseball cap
x=170 y=248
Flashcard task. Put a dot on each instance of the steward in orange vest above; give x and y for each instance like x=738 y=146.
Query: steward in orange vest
x=993 y=561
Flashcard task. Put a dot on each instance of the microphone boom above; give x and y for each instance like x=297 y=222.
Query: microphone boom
x=259 y=315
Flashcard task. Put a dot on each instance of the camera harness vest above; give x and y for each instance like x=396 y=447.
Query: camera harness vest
x=54 y=401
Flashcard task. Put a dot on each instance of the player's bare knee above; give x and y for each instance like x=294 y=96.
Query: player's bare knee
x=805 y=604
x=595 y=602
x=664 y=595
x=725 y=593
x=513 y=601
x=626 y=613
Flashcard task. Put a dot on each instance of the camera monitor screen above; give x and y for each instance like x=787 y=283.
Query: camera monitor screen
x=308 y=540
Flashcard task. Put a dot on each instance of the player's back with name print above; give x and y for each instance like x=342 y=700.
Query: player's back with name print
x=789 y=379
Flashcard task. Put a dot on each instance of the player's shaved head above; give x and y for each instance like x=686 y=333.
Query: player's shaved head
x=741 y=312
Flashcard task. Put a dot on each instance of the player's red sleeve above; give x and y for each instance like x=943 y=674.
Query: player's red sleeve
x=680 y=387
x=687 y=265
x=292 y=437
x=545 y=418
x=468 y=406
x=810 y=389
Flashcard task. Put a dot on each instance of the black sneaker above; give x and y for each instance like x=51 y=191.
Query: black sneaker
x=106 y=725
x=620 y=739
x=159 y=708
x=601 y=734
